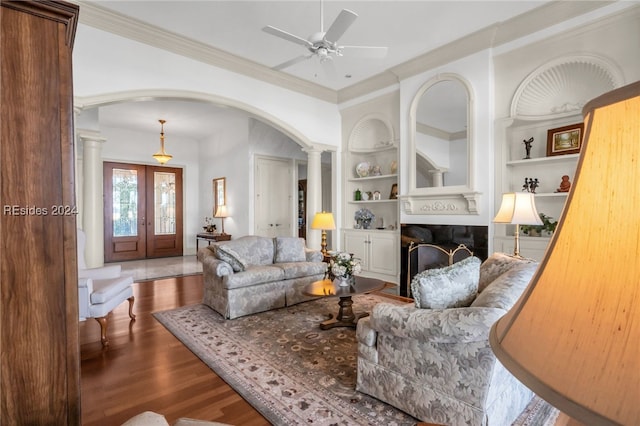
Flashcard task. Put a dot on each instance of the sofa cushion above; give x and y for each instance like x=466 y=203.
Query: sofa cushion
x=233 y=258
x=496 y=265
x=449 y=287
x=302 y=269
x=253 y=249
x=505 y=290
x=253 y=275
x=289 y=249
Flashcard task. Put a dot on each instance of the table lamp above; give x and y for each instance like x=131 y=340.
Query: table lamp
x=222 y=212
x=518 y=208
x=573 y=337
x=325 y=222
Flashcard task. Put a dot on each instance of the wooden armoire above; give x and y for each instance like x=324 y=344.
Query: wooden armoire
x=40 y=367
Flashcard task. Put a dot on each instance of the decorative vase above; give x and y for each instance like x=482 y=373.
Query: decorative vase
x=344 y=280
x=366 y=224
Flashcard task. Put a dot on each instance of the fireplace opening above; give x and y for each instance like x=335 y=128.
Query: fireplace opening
x=447 y=240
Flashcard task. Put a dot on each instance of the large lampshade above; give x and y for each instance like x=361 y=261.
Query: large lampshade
x=574 y=335
x=323 y=221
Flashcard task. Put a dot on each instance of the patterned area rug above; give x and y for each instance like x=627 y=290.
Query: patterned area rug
x=292 y=372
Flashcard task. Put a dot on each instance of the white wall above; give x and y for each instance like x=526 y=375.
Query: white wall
x=104 y=63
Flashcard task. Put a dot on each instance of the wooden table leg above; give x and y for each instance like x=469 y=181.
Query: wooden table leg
x=345 y=318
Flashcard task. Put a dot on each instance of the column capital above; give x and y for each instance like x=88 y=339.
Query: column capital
x=319 y=147
x=86 y=135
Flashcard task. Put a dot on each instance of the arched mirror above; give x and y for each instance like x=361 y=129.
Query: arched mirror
x=441 y=140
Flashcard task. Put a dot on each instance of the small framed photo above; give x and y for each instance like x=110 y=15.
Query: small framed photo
x=565 y=140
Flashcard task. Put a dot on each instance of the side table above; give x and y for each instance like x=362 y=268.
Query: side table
x=209 y=237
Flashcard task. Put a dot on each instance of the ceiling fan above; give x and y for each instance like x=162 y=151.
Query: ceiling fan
x=323 y=44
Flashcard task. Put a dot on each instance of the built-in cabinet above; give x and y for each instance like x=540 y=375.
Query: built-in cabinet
x=373 y=248
x=40 y=369
x=371 y=182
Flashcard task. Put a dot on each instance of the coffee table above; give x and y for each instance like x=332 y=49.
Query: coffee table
x=328 y=288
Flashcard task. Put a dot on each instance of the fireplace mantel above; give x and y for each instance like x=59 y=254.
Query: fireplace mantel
x=465 y=203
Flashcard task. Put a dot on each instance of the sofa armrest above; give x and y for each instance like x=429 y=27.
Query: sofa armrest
x=455 y=325
x=213 y=265
x=313 y=255
x=101 y=273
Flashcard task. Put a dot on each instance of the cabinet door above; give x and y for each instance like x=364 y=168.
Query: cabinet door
x=357 y=243
x=383 y=252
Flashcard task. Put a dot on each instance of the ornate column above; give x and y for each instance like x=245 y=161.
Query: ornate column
x=436 y=176
x=314 y=194
x=92 y=201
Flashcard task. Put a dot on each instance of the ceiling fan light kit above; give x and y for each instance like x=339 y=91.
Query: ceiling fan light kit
x=323 y=44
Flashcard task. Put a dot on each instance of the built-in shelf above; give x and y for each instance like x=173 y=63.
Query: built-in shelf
x=379 y=177
x=372 y=201
x=544 y=160
x=551 y=194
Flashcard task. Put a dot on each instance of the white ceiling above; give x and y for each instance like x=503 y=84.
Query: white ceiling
x=407 y=28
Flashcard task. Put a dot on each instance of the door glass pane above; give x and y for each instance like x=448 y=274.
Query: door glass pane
x=125 y=203
x=164 y=197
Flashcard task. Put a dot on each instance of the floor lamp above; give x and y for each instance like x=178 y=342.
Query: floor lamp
x=325 y=222
x=574 y=335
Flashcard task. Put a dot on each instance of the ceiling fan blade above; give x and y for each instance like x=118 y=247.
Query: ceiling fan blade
x=364 y=51
x=287 y=36
x=292 y=62
x=340 y=25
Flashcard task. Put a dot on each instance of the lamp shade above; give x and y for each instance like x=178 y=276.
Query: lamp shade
x=323 y=221
x=518 y=208
x=574 y=335
x=222 y=211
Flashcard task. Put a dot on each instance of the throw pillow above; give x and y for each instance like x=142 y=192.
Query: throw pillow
x=496 y=265
x=453 y=286
x=289 y=249
x=505 y=290
x=230 y=256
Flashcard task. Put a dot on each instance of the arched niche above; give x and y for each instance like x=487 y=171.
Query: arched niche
x=441 y=148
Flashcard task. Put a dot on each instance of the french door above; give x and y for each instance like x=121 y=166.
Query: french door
x=142 y=211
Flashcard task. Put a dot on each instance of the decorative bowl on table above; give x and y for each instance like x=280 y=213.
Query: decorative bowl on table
x=362 y=169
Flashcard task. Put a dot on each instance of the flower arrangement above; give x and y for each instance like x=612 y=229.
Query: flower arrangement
x=209 y=225
x=364 y=217
x=343 y=264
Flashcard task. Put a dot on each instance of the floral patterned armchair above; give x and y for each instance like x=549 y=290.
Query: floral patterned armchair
x=436 y=363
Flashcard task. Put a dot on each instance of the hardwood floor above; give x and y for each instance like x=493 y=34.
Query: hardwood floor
x=146 y=368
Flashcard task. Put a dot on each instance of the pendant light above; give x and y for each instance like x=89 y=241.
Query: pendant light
x=161 y=156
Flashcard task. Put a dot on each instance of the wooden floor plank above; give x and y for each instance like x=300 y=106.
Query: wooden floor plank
x=146 y=368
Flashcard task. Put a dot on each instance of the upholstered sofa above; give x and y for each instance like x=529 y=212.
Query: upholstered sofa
x=434 y=361
x=254 y=274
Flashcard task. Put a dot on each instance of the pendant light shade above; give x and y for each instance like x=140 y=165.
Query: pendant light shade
x=574 y=335
x=161 y=156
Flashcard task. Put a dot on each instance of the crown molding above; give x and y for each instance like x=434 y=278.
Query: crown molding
x=116 y=23
x=492 y=36
x=538 y=19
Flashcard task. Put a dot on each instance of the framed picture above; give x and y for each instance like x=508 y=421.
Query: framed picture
x=565 y=140
x=219 y=193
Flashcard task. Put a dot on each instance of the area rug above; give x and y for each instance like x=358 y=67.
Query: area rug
x=292 y=372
